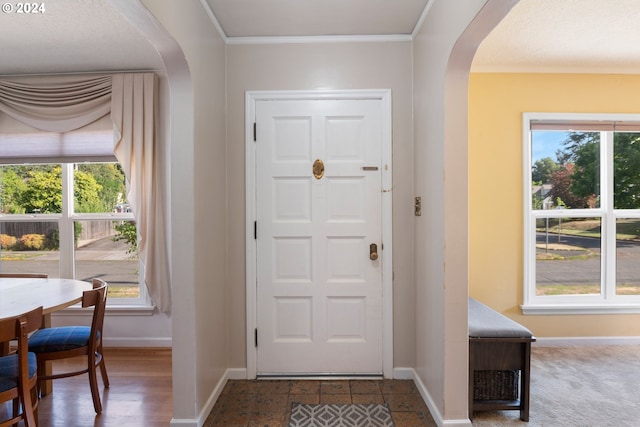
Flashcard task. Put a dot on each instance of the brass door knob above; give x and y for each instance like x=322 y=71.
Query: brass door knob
x=373 y=252
x=318 y=169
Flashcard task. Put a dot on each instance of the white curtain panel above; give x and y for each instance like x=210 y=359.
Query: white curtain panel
x=67 y=103
x=133 y=106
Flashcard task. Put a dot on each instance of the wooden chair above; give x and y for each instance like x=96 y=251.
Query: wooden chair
x=72 y=341
x=18 y=372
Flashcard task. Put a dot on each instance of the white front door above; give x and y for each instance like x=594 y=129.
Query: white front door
x=318 y=210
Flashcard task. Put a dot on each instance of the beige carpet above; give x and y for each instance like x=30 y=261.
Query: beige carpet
x=579 y=386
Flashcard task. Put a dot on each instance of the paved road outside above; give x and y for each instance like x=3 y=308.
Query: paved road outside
x=585 y=270
x=103 y=258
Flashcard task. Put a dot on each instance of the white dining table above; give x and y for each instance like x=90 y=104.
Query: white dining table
x=19 y=295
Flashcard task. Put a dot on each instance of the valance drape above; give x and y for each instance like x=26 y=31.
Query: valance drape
x=57 y=104
x=66 y=103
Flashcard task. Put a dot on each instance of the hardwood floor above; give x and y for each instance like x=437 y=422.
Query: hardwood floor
x=140 y=394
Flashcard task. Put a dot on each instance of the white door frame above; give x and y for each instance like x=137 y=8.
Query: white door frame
x=384 y=95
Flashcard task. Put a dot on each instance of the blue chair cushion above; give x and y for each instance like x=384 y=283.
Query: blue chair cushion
x=51 y=340
x=9 y=370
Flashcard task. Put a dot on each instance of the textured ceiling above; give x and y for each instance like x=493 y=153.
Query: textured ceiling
x=589 y=36
x=572 y=36
x=72 y=36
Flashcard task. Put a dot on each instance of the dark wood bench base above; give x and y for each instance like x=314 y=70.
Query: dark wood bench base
x=501 y=354
x=502 y=346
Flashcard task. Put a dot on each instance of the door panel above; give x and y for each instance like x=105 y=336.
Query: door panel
x=319 y=295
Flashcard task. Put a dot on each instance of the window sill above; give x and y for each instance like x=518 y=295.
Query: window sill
x=114 y=310
x=559 y=309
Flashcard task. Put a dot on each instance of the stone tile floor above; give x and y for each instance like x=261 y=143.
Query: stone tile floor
x=267 y=403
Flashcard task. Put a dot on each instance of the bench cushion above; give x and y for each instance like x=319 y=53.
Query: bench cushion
x=485 y=322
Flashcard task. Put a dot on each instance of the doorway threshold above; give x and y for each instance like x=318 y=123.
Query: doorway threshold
x=319 y=376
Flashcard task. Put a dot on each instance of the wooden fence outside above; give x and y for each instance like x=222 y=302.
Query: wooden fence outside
x=91 y=230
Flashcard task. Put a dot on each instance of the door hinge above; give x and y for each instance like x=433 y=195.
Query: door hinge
x=255 y=230
x=255 y=137
x=256 y=336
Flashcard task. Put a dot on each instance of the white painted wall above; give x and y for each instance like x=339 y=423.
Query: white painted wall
x=443 y=51
x=317 y=66
x=124 y=330
x=194 y=57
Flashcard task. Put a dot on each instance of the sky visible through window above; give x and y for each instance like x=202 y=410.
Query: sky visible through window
x=546 y=143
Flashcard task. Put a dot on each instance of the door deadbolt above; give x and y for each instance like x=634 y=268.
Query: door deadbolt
x=373 y=252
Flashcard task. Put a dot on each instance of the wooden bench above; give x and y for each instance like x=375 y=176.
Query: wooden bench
x=500 y=351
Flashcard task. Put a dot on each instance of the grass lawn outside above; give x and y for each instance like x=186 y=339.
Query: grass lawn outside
x=561 y=252
x=583 y=289
x=626 y=229
x=115 y=291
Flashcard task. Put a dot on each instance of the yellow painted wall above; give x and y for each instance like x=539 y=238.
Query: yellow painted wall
x=496 y=104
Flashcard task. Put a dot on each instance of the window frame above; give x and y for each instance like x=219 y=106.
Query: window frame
x=65 y=221
x=607 y=301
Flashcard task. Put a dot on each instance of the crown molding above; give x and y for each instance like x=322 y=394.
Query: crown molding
x=214 y=20
x=423 y=16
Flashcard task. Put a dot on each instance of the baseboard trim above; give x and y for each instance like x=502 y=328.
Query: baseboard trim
x=237 y=374
x=435 y=412
x=457 y=423
x=137 y=342
x=403 y=373
x=184 y=423
x=230 y=374
x=585 y=341
x=217 y=391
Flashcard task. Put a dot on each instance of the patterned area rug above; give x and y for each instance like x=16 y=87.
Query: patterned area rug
x=305 y=415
